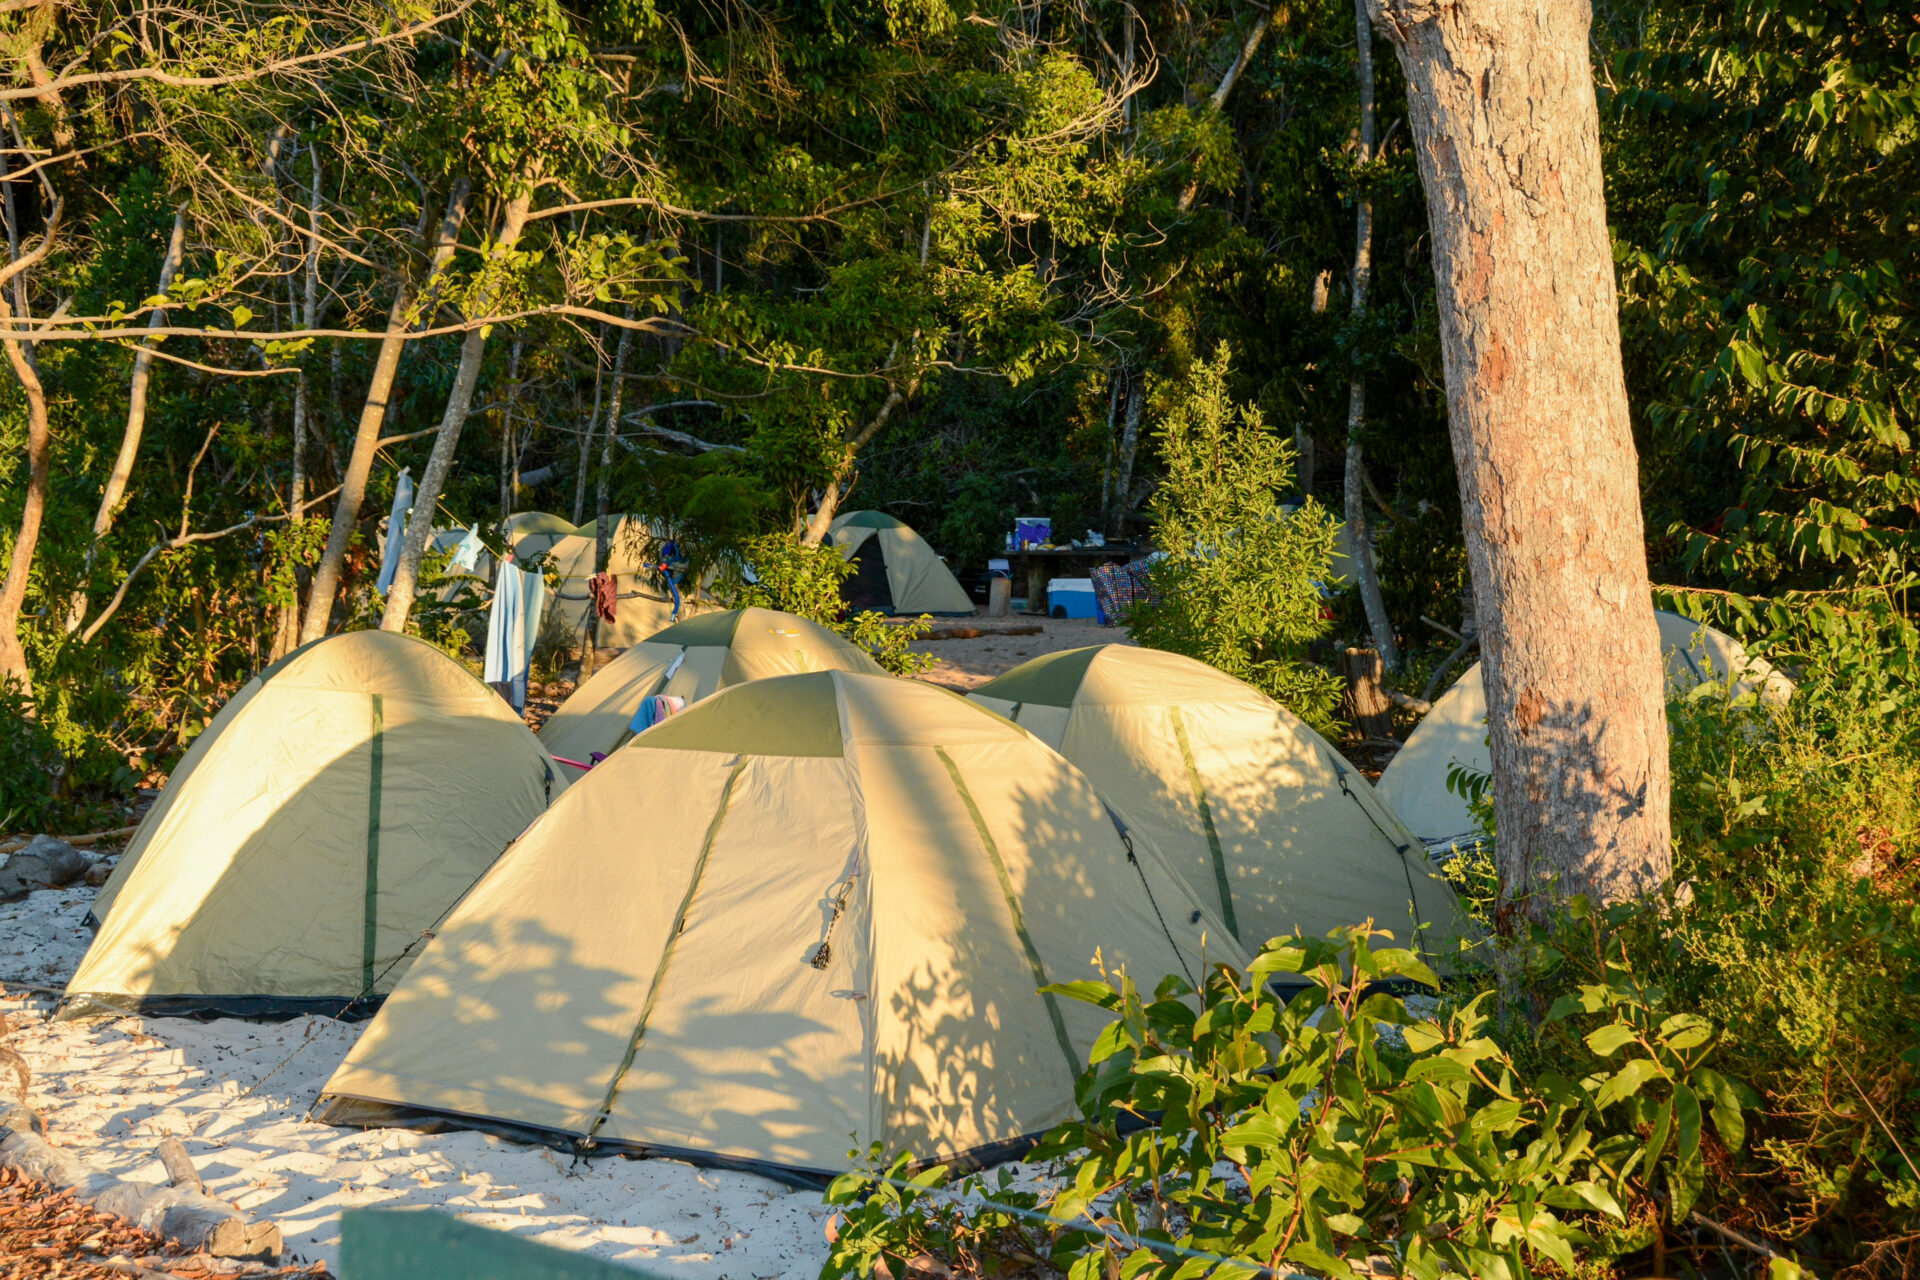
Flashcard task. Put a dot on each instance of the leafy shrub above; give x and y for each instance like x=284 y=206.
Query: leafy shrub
x=1337 y=1126
x=1797 y=834
x=1238 y=586
x=30 y=763
x=806 y=581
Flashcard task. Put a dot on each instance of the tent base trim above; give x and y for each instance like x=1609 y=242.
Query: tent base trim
x=349 y=1112
x=90 y=1004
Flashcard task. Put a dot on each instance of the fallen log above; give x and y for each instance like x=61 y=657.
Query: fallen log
x=190 y=1216
x=179 y=1165
x=975 y=633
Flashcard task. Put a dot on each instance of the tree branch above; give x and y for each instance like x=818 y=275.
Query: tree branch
x=113 y=605
x=278 y=65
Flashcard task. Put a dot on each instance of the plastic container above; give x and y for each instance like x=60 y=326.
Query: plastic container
x=1071 y=598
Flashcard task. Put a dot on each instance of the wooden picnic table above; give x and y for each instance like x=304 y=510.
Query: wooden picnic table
x=1041 y=563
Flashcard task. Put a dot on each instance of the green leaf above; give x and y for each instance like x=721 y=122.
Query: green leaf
x=1084 y=991
x=1599 y=1197
x=1684 y=1183
x=240 y=317
x=1608 y=1039
x=1424 y=1037
x=1727 y=1106
x=1626 y=1082
x=1686 y=1115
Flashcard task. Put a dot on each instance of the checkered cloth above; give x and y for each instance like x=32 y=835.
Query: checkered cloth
x=1117 y=587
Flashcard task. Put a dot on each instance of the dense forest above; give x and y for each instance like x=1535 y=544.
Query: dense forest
x=736 y=268
x=953 y=263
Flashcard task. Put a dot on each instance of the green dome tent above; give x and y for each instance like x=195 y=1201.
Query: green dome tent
x=1454 y=733
x=812 y=912
x=643 y=604
x=1256 y=811
x=336 y=807
x=691 y=660
x=895 y=571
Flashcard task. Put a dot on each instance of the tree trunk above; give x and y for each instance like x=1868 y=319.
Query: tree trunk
x=433 y=480
x=13 y=589
x=373 y=415
x=1367 y=700
x=1365 y=573
x=1501 y=103
x=509 y=448
x=1113 y=444
x=815 y=530
x=586 y=439
x=1218 y=99
x=310 y=318
x=116 y=486
x=603 y=485
x=137 y=393
x=1129 y=446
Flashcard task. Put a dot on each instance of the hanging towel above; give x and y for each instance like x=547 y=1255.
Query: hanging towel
x=512 y=627
x=605 y=595
x=396 y=529
x=655 y=709
x=466 y=552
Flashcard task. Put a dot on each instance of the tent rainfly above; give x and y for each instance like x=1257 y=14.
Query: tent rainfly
x=1454 y=733
x=895 y=571
x=1260 y=816
x=691 y=660
x=335 y=808
x=818 y=913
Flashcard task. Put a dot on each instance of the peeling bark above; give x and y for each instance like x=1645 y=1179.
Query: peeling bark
x=1506 y=131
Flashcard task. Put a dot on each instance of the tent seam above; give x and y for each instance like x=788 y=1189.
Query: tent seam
x=666 y=952
x=371 y=916
x=1034 y=961
x=1220 y=882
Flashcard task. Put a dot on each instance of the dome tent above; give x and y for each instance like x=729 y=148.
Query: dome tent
x=643 y=606
x=1454 y=733
x=818 y=914
x=1257 y=812
x=895 y=571
x=335 y=807
x=691 y=660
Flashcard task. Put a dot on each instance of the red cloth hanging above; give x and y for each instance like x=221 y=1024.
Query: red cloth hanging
x=605 y=594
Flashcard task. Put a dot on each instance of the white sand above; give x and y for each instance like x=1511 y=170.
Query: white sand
x=110 y=1090
x=970 y=663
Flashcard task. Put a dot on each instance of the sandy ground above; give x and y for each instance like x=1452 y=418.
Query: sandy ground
x=235 y=1093
x=967 y=663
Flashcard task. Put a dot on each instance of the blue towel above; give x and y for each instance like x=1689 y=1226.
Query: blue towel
x=396 y=529
x=513 y=625
x=466 y=552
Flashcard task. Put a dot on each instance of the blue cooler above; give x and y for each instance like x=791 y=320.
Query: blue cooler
x=1071 y=598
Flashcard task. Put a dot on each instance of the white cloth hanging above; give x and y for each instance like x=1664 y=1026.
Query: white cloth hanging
x=466 y=552
x=396 y=530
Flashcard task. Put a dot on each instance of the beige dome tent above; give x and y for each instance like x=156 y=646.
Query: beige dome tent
x=691 y=660
x=895 y=571
x=336 y=807
x=1263 y=819
x=644 y=604
x=531 y=533
x=1454 y=733
x=811 y=913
